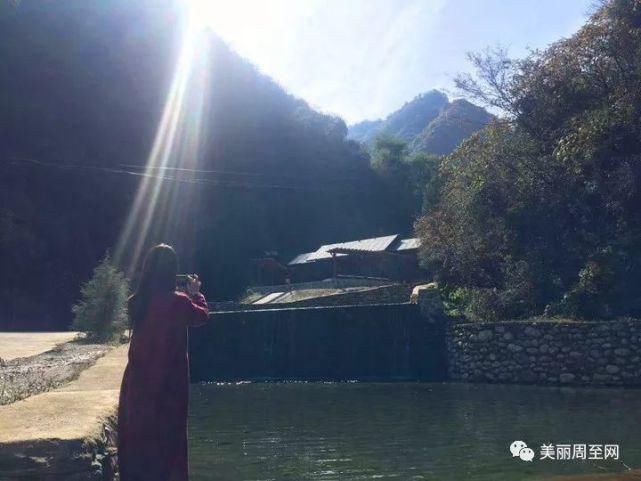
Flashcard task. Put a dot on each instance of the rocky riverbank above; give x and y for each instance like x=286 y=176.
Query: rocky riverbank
x=26 y=376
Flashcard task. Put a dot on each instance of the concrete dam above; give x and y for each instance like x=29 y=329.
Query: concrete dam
x=385 y=342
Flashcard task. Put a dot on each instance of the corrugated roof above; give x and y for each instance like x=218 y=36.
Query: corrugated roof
x=374 y=244
x=300 y=259
x=322 y=253
x=409 y=244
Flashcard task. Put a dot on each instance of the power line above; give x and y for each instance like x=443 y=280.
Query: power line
x=195 y=181
x=230 y=172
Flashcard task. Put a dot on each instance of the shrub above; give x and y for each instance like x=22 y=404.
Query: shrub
x=102 y=309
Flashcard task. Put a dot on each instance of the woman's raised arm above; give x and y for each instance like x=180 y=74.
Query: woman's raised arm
x=194 y=309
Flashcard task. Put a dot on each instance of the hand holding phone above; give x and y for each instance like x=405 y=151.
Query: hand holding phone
x=193 y=284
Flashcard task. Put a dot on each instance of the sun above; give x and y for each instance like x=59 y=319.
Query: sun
x=235 y=20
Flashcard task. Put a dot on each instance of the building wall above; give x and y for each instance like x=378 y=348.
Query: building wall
x=394 y=266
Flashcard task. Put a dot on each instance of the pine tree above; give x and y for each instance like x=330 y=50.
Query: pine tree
x=102 y=309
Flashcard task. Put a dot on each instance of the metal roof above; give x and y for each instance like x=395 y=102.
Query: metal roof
x=321 y=253
x=374 y=244
x=300 y=259
x=409 y=244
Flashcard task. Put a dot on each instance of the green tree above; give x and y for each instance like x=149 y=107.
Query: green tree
x=388 y=157
x=412 y=181
x=425 y=181
x=102 y=310
x=539 y=212
x=389 y=162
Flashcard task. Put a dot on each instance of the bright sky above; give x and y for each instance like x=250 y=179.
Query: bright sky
x=362 y=59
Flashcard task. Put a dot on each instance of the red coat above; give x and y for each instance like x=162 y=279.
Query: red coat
x=152 y=414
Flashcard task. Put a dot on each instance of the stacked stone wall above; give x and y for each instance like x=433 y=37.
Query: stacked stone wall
x=545 y=351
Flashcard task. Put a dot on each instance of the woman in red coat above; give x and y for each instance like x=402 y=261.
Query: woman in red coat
x=152 y=415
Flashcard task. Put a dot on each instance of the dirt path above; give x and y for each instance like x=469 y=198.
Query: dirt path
x=26 y=344
x=67 y=433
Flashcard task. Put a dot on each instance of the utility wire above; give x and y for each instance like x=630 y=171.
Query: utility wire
x=196 y=181
x=231 y=172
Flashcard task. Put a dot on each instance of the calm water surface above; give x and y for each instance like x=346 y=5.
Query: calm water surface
x=343 y=431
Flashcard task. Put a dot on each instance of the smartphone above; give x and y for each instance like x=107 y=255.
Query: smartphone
x=181 y=281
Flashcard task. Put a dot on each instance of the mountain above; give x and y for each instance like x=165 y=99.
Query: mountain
x=405 y=123
x=365 y=131
x=429 y=123
x=455 y=123
x=82 y=93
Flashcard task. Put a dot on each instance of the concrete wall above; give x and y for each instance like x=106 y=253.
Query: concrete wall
x=377 y=342
x=546 y=352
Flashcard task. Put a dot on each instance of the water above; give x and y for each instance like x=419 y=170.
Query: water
x=343 y=431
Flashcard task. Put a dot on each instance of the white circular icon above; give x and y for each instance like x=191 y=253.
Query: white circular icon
x=515 y=448
x=526 y=454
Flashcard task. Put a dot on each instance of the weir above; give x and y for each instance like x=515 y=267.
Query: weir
x=385 y=342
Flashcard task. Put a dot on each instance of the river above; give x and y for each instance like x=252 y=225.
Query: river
x=404 y=431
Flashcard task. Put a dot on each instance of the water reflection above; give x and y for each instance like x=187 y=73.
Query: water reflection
x=325 y=431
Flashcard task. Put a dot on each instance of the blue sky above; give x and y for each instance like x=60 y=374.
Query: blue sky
x=362 y=59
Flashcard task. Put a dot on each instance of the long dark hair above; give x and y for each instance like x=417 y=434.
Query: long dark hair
x=158 y=276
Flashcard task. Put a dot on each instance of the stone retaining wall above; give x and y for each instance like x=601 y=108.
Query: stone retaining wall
x=338 y=283
x=392 y=294
x=389 y=294
x=546 y=352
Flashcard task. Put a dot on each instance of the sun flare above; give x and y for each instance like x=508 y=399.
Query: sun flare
x=228 y=19
x=176 y=146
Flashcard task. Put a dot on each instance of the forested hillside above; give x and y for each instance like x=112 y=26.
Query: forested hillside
x=82 y=91
x=430 y=123
x=535 y=212
x=454 y=124
x=540 y=212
